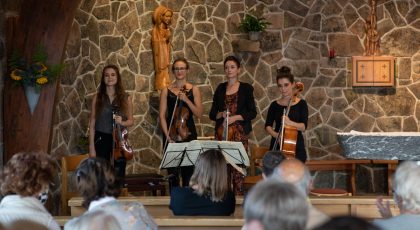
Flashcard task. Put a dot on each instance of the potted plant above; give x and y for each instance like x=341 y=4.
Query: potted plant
x=253 y=26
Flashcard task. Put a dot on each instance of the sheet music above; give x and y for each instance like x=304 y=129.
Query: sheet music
x=235 y=151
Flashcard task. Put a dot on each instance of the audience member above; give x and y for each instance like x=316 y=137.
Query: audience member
x=275 y=205
x=270 y=161
x=295 y=172
x=347 y=223
x=96 y=183
x=208 y=193
x=98 y=220
x=406 y=185
x=25 y=182
x=26 y=225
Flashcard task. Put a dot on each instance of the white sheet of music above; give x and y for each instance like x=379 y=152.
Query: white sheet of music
x=235 y=151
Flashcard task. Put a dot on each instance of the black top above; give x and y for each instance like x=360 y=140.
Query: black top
x=104 y=121
x=246 y=104
x=171 y=99
x=185 y=202
x=298 y=113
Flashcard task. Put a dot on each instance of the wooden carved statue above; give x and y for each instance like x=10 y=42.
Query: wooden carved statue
x=372 y=36
x=161 y=38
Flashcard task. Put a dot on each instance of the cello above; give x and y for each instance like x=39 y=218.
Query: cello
x=121 y=145
x=287 y=135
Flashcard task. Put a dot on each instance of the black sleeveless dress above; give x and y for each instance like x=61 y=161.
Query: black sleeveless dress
x=185 y=171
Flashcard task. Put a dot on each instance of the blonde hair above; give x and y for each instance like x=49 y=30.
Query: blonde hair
x=210 y=175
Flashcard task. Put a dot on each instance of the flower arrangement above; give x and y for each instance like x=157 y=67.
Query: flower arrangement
x=35 y=73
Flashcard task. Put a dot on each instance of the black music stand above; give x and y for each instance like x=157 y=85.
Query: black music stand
x=179 y=155
x=186 y=153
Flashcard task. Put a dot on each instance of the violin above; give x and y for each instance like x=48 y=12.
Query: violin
x=287 y=136
x=178 y=130
x=122 y=147
x=225 y=131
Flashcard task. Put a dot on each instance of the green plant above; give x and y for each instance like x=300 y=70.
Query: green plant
x=252 y=23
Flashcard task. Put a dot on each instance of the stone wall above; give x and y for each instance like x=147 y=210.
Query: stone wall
x=301 y=33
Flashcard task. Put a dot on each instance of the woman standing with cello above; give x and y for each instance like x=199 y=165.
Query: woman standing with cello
x=178 y=103
x=111 y=107
x=233 y=109
x=290 y=104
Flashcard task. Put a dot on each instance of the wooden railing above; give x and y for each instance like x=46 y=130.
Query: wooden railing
x=362 y=206
x=186 y=222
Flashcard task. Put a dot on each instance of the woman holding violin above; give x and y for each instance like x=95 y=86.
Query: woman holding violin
x=179 y=103
x=233 y=109
x=297 y=113
x=111 y=107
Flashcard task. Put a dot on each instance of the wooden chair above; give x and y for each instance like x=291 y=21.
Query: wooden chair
x=68 y=164
x=336 y=165
x=257 y=154
x=391 y=167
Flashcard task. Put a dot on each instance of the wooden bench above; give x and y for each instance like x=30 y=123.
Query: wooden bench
x=363 y=206
x=185 y=222
x=155 y=205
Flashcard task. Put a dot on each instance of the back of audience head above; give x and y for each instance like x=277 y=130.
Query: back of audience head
x=98 y=220
x=406 y=183
x=270 y=161
x=347 y=223
x=210 y=175
x=28 y=174
x=25 y=225
x=275 y=205
x=96 y=179
x=295 y=172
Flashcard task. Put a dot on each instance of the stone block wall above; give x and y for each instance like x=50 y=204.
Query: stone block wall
x=205 y=31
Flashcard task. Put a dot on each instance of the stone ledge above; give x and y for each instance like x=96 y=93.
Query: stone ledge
x=246 y=45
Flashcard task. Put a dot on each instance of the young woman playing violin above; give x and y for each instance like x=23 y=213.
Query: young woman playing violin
x=298 y=113
x=233 y=101
x=111 y=105
x=177 y=123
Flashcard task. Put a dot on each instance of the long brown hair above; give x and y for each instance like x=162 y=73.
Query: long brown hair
x=210 y=175
x=120 y=94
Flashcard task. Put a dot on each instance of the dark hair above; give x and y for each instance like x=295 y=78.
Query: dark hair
x=285 y=72
x=347 y=223
x=232 y=58
x=96 y=179
x=26 y=174
x=120 y=95
x=270 y=161
x=181 y=59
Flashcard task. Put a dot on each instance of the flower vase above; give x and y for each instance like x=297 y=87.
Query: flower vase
x=254 y=35
x=32 y=96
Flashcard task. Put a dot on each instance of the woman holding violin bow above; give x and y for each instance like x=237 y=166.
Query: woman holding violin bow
x=291 y=111
x=112 y=111
x=233 y=109
x=179 y=103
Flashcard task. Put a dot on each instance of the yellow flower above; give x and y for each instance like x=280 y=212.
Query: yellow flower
x=16 y=74
x=40 y=67
x=41 y=80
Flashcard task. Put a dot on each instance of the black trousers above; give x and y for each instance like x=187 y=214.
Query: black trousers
x=103 y=148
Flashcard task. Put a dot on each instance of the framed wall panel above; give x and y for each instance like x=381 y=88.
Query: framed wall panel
x=373 y=71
